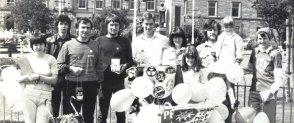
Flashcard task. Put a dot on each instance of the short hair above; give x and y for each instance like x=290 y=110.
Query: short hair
x=265 y=31
x=148 y=16
x=177 y=31
x=211 y=24
x=112 y=18
x=228 y=21
x=84 y=20
x=63 y=18
x=37 y=39
x=191 y=52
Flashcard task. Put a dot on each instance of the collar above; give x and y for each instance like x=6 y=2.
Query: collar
x=259 y=49
x=143 y=37
x=57 y=37
x=208 y=44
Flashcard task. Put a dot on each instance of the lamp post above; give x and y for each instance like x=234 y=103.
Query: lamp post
x=134 y=20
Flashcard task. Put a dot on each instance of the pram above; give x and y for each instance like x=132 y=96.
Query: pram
x=69 y=118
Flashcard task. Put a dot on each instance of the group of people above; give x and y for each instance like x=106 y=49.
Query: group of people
x=78 y=65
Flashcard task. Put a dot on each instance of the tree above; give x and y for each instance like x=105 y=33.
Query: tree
x=32 y=15
x=273 y=12
x=99 y=20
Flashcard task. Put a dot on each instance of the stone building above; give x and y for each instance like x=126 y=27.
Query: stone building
x=246 y=18
x=179 y=12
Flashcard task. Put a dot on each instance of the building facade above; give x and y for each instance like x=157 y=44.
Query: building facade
x=246 y=18
x=179 y=12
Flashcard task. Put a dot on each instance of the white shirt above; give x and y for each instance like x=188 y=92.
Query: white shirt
x=149 y=50
x=169 y=56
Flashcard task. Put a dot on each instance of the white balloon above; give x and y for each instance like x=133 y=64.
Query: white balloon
x=17 y=104
x=10 y=73
x=11 y=89
x=261 y=117
x=199 y=93
x=216 y=90
x=182 y=94
x=148 y=114
x=224 y=111
x=122 y=100
x=245 y=115
x=235 y=73
x=142 y=87
x=215 y=117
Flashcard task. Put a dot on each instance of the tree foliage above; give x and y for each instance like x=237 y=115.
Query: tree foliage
x=273 y=12
x=32 y=15
x=99 y=20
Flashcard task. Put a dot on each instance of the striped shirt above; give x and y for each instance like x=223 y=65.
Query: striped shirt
x=85 y=55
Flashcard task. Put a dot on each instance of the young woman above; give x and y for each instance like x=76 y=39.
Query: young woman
x=191 y=65
x=177 y=40
x=38 y=84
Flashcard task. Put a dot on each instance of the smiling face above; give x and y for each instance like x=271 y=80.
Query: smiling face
x=190 y=61
x=178 y=40
x=148 y=25
x=62 y=27
x=263 y=41
x=113 y=28
x=39 y=47
x=84 y=30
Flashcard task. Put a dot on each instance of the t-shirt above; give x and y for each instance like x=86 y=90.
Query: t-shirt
x=149 y=50
x=119 y=48
x=264 y=63
x=85 y=55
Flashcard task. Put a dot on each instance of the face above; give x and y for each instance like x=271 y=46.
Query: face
x=84 y=30
x=178 y=40
x=212 y=34
x=263 y=41
x=40 y=47
x=113 y=28
x=62 y=27
x=190 y=61
x=148 y=25
x=229 y=28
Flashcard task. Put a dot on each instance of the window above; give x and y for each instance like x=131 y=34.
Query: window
x=10 y=2
x=212 y=9
x=132 y=4
x=236 y=9
x=99 y=4
x=116 y=4
x=82 y=4
x=150 y=5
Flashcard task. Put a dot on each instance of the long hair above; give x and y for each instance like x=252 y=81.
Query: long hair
x=191 y=52
x=177 y=31
x=211 y=24
x=63 y=18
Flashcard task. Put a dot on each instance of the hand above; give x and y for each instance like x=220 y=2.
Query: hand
x=76 y=70
x=239 y=61
x=22 y=79
x=115 y=69
x=178 y=61
x=33 y=77
x=265 y=95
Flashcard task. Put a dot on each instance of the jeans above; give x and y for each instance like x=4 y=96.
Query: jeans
x=56 y=98
x=35 y=110
x=90 y=96
x=269 y=107
x=108 y=90
x=226 y=102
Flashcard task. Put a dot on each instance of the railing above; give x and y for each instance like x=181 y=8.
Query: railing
x=242 y=92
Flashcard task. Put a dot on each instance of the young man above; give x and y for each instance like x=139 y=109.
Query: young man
x=229 y=50
x=54 y=44
x=207 y=50
x=148 y=47
x=81 y=62
x=114 y=48
x=266 y=63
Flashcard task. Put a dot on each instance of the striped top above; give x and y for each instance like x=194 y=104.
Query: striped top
x=81 y=54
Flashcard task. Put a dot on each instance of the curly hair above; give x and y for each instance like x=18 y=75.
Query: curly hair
x=63 y=18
